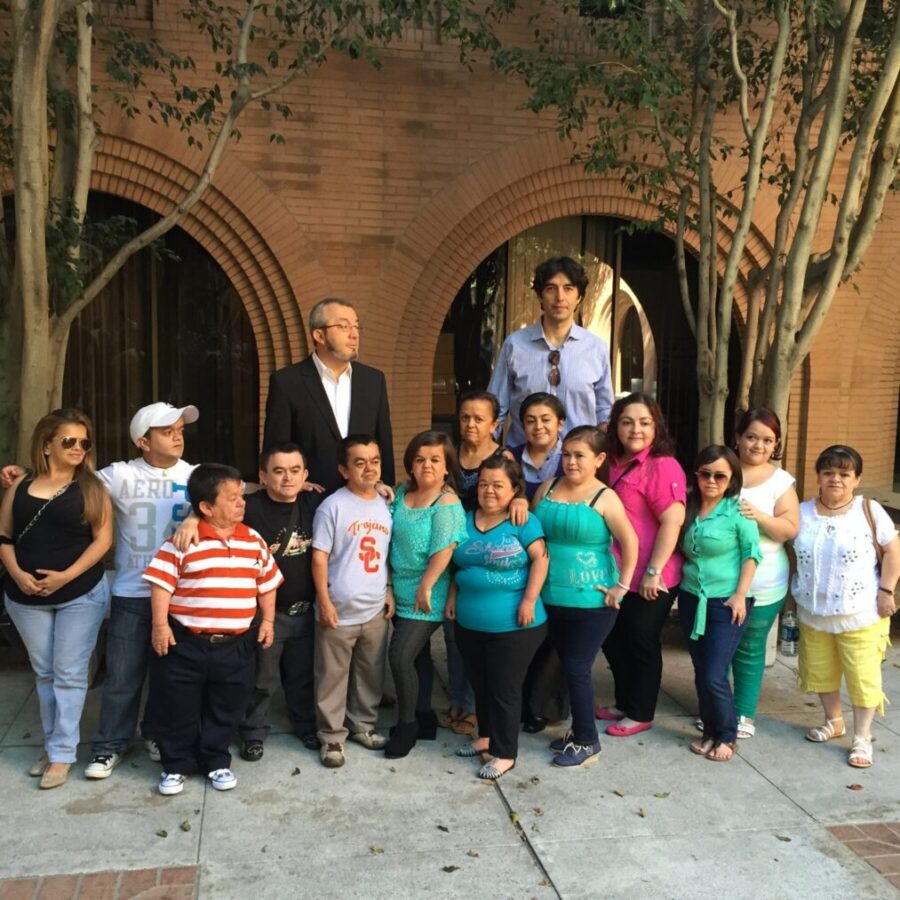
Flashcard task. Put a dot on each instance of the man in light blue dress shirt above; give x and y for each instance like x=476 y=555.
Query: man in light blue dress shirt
x=555 y=355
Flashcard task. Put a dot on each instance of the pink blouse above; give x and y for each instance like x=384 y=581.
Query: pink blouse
x=647 y=489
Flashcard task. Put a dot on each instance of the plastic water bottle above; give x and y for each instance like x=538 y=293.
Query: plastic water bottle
x=790 y=634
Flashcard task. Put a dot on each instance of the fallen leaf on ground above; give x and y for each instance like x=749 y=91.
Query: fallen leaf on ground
x=449 y=868
x=661 y=794
x=538 y=811
x=544 y=883
x=855 y=787
x=392 y=768
x=443 y=828
x=376 y=849
x=185 y=825
x=642 y=813
x=513 y=817
x=534 y=827
x=535 y=779
x=783 y=837
x=296 y=771
x=26 y=735
x=162 y=833
x=618 y=793
x=472 y=853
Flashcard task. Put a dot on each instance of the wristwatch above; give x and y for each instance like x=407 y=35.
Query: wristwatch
x=650 y=570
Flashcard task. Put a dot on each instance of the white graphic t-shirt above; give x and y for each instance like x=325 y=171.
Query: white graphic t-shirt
x=150 y=503
x=356 y=533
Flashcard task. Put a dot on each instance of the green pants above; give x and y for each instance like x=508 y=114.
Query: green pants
x=749 y=661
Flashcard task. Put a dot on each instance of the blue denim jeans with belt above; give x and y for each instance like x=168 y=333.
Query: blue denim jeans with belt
x=712 y=654
x=60 y=640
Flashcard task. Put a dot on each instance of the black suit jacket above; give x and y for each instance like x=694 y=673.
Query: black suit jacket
x=298 y=410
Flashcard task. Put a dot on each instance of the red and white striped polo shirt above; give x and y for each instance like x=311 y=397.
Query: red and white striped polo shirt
x=215 y=583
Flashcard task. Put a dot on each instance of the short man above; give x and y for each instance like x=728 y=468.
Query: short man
x=351 y=539
x=150 y=499
x=317 y=402
x=204 y=602
x=283 y=514
x=555 y=355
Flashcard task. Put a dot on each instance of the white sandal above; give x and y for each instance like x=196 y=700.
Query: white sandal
x=860 y=756
x=745 y=727
x=822 y=733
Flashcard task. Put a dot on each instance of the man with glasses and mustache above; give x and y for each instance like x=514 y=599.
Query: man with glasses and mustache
x=554 y=355
x=319 y=401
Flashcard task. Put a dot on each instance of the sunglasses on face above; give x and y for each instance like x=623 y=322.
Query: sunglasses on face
x=69 y=442
x=708 y=475
x=553 y=377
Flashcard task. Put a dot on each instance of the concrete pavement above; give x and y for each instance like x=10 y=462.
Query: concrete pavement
x=648 y=820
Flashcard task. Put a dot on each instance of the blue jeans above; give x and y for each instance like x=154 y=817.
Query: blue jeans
x=578 y=635
x=461 y=694
x=712 y=655
x=60 y=640
x=127 y=658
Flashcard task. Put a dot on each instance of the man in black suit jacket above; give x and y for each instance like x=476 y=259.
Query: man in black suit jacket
x=317 y=402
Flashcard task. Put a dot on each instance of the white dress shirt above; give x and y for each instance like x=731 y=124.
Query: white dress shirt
x=337 y=390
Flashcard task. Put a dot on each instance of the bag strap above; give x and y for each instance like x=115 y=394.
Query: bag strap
x=628 y=469
x=879 y=550
x=37 y=515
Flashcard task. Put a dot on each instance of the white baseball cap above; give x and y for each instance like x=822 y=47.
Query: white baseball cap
x=159 y=415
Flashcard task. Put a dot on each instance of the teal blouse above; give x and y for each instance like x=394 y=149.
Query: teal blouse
x=579 y=543
x=715 y=547
x=417 y=535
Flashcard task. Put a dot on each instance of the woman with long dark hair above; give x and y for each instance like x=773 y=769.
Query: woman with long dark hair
x=769 y=499
x=55 y=527
x=721 y=553
x=651 y=485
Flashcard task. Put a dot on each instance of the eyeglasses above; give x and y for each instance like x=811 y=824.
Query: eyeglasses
x=344 y=327
x=553 y=377
x=707 y=475
x=69 y=442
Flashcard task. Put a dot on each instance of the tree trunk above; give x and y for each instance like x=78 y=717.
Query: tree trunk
x=777 y=390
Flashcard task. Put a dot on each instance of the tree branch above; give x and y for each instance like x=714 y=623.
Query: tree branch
x=731 y=18
x=84 y=110
x=680 y=260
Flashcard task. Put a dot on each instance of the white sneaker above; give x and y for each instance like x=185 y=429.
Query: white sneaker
x=152 y=750
x=102 y=765
x=222 y=779
x=171 y=784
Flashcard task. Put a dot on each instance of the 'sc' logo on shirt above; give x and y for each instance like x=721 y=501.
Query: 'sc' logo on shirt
x=369 y=554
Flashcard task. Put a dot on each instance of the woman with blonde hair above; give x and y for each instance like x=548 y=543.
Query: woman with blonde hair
x=55 y=527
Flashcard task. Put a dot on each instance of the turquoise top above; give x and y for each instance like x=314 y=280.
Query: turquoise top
x=418 y=534
x=580 y=553
x=492 y=572
x=715 y=547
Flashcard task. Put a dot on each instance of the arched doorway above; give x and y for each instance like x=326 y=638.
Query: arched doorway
x=170 y=326
x=633 y=303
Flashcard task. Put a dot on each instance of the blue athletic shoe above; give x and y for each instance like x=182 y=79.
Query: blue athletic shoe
x=558 y=745
x=577 y=754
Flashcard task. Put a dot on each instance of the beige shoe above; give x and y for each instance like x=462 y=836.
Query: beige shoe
x=56 y=774
x=40 y=766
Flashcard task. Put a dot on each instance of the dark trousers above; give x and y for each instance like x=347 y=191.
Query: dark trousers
x=409 y=654
x=712 y=655
x=634 y=653
x=544 y=694
x=578 y=635
x=289 y=662
x=127 y=659
x=199 y=693
x=496 y=664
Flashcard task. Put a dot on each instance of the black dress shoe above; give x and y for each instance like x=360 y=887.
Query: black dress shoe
x=310 y=741
x=252 y=751
x=534 y=724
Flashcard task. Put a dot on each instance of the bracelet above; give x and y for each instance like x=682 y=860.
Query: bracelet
x=624 y=587
x=6 y=540
x=889 y=593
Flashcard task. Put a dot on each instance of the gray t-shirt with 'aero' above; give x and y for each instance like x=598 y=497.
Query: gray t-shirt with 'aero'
x=356 y=534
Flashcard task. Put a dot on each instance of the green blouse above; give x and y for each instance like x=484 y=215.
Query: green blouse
x=715 y=547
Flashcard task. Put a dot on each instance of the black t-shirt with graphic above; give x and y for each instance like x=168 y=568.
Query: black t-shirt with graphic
x=271 y=519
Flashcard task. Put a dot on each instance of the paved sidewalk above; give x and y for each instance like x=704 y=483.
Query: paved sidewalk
x=648 y=820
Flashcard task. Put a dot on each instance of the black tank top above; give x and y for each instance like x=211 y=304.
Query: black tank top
x=54 y=542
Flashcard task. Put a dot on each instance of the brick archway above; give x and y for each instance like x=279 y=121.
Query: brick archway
x=491 y=203
x=239 y=221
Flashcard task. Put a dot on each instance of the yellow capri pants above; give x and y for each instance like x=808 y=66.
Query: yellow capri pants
x=855 y=655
